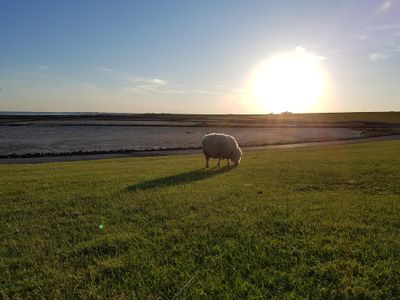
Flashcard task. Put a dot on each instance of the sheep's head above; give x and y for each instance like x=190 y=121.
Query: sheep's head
x=236 y=157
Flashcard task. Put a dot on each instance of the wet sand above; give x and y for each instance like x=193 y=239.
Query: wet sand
x=26 y=139
x=70 y=158
x=44 y=137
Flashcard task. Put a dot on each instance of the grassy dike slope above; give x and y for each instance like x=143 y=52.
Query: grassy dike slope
x=317 y=222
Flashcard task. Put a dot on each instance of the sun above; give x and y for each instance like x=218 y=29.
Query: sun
x=291 y=81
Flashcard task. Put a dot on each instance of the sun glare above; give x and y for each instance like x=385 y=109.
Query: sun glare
x=291 y=81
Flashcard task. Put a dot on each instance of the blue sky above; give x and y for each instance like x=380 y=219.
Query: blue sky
x=190 y=56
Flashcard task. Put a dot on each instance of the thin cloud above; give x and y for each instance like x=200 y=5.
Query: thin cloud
x=175 y=91
x=107 y=70
x=118 y=75
x=385 y=6
x=158 y=82
x=313 y=55
x=133 y=89
x=377 y=56
x=385 y=40
x=44 y=67
x=92 y=87
x=149 y=85
x=384 y=27
x=206 y=92
x=334 y=51
x=136 y=84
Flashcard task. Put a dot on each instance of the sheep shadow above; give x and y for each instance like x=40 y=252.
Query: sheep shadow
x=178 y=179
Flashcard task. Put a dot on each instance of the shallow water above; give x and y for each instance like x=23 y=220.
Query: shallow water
x=44 y=139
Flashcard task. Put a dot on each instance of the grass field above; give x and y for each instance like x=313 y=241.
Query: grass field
x=312 y=223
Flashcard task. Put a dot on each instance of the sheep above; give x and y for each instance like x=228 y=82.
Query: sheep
x=221 y=146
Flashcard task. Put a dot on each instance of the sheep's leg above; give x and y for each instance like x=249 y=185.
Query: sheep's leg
x=219 y=160
x=207 y=162
x=228 y=162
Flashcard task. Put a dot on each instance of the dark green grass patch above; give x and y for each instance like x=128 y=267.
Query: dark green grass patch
x=302 y=223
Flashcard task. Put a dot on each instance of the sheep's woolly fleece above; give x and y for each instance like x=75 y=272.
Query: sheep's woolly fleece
x=221 y=146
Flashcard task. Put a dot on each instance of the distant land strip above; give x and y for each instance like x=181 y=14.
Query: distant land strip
x=351 y=125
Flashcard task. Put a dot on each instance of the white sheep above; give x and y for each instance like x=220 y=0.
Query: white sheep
x=221 y=146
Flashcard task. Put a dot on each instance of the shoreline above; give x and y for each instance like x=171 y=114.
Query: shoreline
x=94 y=155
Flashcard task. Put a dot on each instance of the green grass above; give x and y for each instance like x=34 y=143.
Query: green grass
x=312 y=223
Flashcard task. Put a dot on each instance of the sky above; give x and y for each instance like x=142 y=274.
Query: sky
x=192 y=56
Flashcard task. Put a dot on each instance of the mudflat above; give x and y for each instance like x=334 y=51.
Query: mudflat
x=63 y=134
